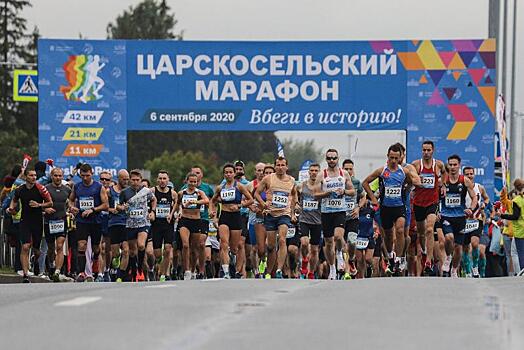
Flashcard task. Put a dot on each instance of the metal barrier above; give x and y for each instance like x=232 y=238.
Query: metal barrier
x=7 y=253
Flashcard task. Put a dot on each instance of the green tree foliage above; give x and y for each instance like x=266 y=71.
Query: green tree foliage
x=148 y=20
x=18 y=120
x=297 y=152
x=179 y=163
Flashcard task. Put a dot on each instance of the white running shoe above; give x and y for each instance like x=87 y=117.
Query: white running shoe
x=447 y=264
x=187 y=275
x=454 y=273
x=340 y=261
x=475 y=271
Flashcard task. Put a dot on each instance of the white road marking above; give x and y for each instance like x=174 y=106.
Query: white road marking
x=161 y=286
x=78 y=301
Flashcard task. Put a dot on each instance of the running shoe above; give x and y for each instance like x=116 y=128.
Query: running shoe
x=262 y=266
x=107 y=276
x=428 y=268
x=81 y=277
x=304 y=266
x=227 y=276
x=340 y=261
x=89 y=278
x=267 y=276
x=55 y=277
x=447 y=265
x=162 y=278
x=347 y=276
x=187 y=275
x=352 y=268
x=454 y=273
x=115 y=262
x=200 y=276
x=475 y=271
x=99 y=278
x=119 y=280
x=250 y=274
x=310 y=275
x=332 y=275
x=25 y=279
x=239 y=275
x=278 y=275
x=151 y=275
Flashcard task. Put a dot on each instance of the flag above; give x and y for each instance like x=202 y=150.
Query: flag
x=280 y=148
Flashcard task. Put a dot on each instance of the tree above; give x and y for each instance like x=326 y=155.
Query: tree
x=297 y=152
x=18 y=120
x=148 y=20
x=179 y=163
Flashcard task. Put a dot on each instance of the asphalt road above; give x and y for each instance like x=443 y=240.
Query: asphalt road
x=383 y=313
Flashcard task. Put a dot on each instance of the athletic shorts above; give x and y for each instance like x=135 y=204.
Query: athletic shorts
x=192 y=225
x=330 y=221
x=314 y=232
x=295 y=239
x=421 y=213
x=162 y=234
x=51 y=237
x=370 y=245
x=477 y=232
x=377 y=217
x=233 y=220
x=204 y=226
x=177 y=241
x=117 y=234
x=84 y=230
x=252 y=237
x=389 y=215
x=456 y=227
x=351 y=230
x=132 y=233
x=212 y=241
x=31 y=232
x=243 y=221
x=273 y=222
x=377 y=253
x=438 y=225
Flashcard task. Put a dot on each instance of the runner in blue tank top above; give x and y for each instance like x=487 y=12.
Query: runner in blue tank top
x=392 y=178
x=453 y=213
x=86 y=201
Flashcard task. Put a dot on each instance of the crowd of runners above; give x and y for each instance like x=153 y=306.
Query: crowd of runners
x=427 y=218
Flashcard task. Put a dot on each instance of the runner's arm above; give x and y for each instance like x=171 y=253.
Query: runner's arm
x=471 y=192
x=248 y=198
x=204 y=200
x=370 y=178
x=258 y=193
x=105 y=201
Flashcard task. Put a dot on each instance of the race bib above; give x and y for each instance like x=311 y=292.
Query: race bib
x=56 y=226
x=428 y=180
x=453 y=200
x=309 y=205
x=188 y=201
x=212 y=232
x=228 y=195
x=136 y=213
x=280 y=199
x=393 y=192
x=334 y=203
x=362 y=243
x=350 y=205
x=290 y=232
x=162 y=211
x=86 y=203
x=471 y=225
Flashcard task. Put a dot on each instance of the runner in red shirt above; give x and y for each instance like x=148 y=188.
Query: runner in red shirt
x=426 y=200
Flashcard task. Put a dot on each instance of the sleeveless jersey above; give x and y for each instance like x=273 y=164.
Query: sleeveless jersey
x=88 y=197
x=164 y=204
x=477 y=213
x=279 y=195
x=231 y=195
x=188 y=197
x=428 y=194
x=392 y=187
x=115 y=219
x=454 y=203
x=334 y=203
x=310 y=213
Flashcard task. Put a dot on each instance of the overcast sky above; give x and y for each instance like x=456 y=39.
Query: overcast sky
x=287 y=20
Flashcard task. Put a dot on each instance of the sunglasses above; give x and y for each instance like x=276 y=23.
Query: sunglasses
x=331 y=158
x=104 y=179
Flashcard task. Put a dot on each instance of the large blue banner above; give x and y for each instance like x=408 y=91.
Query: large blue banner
x=82 y=111
x=177 y=85
x=92 y=92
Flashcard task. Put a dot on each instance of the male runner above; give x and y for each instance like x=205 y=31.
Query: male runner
x=33 y=198
x=87 y=200
x=426 y=199
x=453 y=213
x=335 y=185
x=117 y=227
x=279 y=205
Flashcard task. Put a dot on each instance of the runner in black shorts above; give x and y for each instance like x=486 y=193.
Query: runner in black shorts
x=33 y=198
x=117 y=228
x=55 y=222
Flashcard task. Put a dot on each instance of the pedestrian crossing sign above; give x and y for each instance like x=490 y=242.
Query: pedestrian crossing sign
x=25 y=85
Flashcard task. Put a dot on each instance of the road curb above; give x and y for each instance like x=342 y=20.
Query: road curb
x=8 y=279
